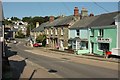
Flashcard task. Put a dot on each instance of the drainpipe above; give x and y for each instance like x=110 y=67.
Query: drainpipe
x=89 y=42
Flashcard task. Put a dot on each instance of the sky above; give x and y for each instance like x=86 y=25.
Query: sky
x=25 y=9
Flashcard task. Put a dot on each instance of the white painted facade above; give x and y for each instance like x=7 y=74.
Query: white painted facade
x=116 y=51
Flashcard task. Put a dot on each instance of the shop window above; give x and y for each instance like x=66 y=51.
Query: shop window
x=100 y=32
x=103 y=46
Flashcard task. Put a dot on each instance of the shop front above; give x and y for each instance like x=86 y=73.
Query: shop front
x=102 y=45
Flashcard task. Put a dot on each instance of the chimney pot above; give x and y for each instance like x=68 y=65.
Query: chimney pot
x=76 y=11
x=51 y=19
x=84 y=12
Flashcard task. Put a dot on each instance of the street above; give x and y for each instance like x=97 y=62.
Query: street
x=64 y=67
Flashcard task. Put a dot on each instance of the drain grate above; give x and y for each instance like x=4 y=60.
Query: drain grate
x=52 y=71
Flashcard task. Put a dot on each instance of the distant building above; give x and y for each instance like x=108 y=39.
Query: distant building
x=19 y=25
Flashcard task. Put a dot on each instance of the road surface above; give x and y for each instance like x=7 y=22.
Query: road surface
x=64 y=67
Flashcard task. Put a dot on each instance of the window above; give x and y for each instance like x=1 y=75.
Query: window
x=103 y=46
x=61 y=31
x=47 y=42
x=55 y=31
x=83 y=45
x=100 y=32
x=78 y=32
x=92 y=32
x=51 y=32
x=47 y=31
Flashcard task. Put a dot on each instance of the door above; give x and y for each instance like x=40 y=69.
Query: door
x=92 y=44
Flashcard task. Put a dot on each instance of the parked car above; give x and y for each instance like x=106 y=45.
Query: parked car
x=37 y=45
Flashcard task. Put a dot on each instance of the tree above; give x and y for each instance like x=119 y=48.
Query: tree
x=28 y=31
x=20 y=34
x=41 y=39
x=15 y=19
x=6 y=22
x=27 y=19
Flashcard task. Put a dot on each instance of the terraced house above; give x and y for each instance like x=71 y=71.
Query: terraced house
x=94 y=34
x=57 y=31
x=82 y=32
x=103 y=33
x=38 y=30
x=79 y=35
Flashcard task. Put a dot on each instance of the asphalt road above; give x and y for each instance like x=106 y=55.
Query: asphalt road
x=65 y=68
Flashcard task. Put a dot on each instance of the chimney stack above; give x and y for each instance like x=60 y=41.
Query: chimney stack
x=76 y=12
x=84 y=12
x=37 y=24
x=51 y=19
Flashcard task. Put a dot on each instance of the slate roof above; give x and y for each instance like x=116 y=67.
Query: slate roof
x=65 y=21
x=40 y=28
x=61 y=21
x=58 y=22
x=1 y=12
x=104 y=20
x=96 y=21
x=83 y=23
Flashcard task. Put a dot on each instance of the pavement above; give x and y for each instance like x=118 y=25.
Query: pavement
x=23 y=68
x=20 y=67
x=27 y=69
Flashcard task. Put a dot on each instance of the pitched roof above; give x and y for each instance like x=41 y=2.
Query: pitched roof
x=82 y=23
x=40 y=28
x=61 y=21
x=104 y=20
x=1 y=12
x=96 y=21
x=58 y=22
x=65 y=20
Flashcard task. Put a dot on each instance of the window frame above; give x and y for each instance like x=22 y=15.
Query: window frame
x=62 y=32
x=100 y=32
x=78 y=32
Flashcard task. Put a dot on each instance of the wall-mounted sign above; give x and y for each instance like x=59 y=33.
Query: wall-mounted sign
x=105 y=40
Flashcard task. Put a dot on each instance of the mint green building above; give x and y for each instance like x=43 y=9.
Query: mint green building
x=102 y=39
x=103 y=33
x=96 y=34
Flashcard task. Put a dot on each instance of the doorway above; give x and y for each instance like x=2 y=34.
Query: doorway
x=92 y=44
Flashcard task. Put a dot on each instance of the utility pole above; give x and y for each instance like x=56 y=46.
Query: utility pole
x=1 y=38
